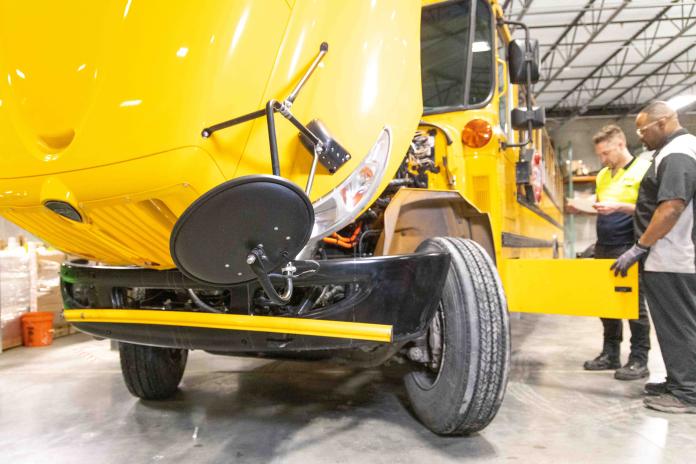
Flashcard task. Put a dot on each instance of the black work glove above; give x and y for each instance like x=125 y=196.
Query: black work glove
x=628 y=259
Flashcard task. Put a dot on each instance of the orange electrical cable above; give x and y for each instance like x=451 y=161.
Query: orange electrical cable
x=341 y=243
x=344 y=242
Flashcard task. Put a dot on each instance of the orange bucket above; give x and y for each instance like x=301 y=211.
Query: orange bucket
x=37 y=328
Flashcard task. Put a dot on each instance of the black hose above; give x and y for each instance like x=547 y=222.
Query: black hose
x=400 y=183
x=363 y=235
x=201 y=304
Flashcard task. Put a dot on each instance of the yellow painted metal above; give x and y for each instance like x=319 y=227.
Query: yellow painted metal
x=315 y=327
x=486 y=178
x=127 y=78
x=578 y=287
x=102 y=102
x=127 y=219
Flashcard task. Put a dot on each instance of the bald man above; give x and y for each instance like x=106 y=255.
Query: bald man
x=666 y=240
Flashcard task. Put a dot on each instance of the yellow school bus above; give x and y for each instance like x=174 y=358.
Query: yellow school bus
x=314 y=179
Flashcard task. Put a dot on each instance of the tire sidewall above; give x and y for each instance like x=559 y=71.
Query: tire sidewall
x=444 y=405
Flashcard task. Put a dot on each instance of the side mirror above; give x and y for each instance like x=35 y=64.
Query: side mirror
x=521 y=117
x=518 y=56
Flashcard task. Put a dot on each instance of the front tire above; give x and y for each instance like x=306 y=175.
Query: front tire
x=468 y=340
x=150 y=372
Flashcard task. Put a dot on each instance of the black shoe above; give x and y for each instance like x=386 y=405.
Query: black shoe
x=602 y=362
x=669 y=403
x=655 y=388
x=633 y=370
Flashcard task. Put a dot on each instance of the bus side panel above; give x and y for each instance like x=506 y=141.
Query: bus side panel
x=576 y=287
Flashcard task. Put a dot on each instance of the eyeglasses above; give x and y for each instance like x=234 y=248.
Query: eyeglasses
x=641 y=130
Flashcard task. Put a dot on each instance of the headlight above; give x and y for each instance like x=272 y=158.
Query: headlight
x=338 y=208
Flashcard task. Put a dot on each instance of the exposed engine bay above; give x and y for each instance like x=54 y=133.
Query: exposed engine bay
x=358 y=239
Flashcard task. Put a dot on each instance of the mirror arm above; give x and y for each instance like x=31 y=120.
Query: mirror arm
x=517 y=23
x=528 y=58
x=526 y=141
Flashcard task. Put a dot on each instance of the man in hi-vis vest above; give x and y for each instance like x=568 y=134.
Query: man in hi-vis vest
x=617 y=192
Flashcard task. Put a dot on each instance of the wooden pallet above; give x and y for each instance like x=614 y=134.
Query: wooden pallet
x=62 y=331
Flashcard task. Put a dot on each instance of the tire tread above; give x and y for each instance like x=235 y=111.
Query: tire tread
x=149 y=372
x=487 y=332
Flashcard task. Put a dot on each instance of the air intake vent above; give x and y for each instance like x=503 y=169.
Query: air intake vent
x=64 y=209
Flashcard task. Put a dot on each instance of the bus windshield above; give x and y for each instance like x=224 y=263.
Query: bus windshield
x=456 y=61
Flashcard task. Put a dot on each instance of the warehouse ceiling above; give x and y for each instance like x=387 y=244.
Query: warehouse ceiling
x=609 y=57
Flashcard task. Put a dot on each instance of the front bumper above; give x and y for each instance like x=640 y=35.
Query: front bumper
x=393 y=300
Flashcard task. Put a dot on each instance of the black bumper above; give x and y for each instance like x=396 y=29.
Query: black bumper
x=401 y=291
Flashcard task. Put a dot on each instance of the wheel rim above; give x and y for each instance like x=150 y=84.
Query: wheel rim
x=428 y=377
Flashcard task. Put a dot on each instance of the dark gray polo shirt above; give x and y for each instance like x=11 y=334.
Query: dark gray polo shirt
x=672 y=176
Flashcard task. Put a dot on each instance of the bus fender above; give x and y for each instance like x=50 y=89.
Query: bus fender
x=414 y=215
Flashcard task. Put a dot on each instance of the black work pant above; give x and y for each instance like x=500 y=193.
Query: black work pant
x=672 y=302
x=613 y=328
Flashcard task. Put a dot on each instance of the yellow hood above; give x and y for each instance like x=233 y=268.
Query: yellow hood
x=91 y=83
x=102 y=104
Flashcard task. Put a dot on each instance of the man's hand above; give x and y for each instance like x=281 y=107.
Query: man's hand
x=628 y=259
x=608 y=207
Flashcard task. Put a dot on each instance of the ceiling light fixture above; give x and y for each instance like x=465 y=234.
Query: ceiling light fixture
x=681 y=101
x=481 y=46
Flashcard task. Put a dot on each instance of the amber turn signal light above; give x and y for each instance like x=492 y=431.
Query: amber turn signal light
x=477 y=133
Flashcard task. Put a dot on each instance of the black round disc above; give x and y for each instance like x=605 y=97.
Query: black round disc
x=211 y=240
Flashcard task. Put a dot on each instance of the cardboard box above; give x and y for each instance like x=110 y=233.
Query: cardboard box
x=29 y=278
x=15 y=291
x=11 y=332
x=48 y=296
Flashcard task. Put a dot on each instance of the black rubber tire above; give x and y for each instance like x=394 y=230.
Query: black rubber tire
x=150 y=372
x=465 y=393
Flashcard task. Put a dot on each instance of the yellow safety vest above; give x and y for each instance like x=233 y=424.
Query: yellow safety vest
x=623 y=186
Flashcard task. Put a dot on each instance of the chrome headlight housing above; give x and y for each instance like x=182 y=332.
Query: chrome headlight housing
x=338 y=208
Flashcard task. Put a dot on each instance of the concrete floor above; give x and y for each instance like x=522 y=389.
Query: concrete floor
x=67 y=404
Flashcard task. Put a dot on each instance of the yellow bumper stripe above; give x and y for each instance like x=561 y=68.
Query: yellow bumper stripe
x=291 y=325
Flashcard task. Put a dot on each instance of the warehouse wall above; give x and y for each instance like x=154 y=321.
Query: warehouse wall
x=7 y=229
x=580 y=131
